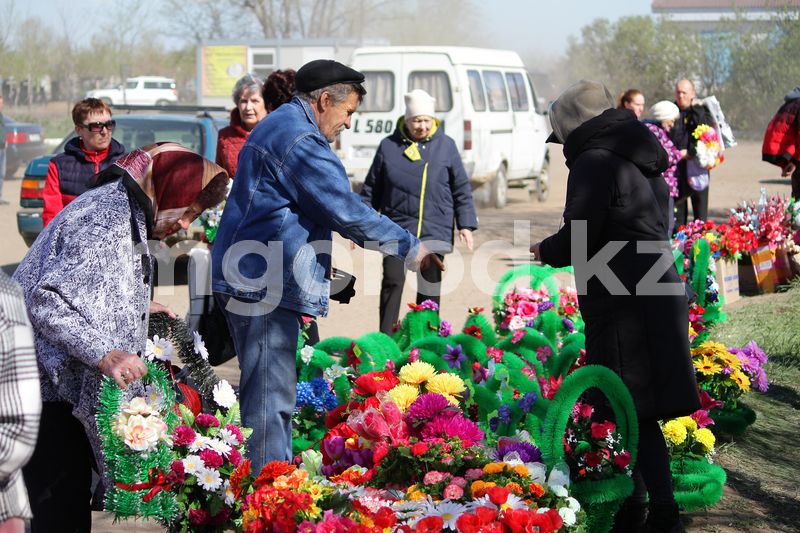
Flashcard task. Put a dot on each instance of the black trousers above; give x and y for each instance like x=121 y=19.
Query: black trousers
x=796 y=183
x=59 y=474
x=429 y=287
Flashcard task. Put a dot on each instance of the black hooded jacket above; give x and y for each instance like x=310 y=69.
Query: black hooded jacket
x=641 y=335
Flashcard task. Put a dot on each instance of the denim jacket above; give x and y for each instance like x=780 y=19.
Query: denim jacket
x=273 y=243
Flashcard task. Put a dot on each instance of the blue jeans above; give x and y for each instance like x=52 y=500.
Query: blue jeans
x=266 y=345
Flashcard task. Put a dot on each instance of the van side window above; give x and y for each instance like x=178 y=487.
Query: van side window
x=516 y=88
x=151 y=85
x=476 y=90
x=380 y=91
x=496 y=90
x=435 y=83
x=537 y=105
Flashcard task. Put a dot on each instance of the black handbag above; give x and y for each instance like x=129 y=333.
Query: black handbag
x=213 y=327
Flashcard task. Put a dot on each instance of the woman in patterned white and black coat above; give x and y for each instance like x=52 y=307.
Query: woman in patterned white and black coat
x=86 y=282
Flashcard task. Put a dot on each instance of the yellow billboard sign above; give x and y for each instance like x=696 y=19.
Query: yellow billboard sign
x=222 y=66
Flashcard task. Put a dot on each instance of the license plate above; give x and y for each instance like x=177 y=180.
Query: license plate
x=35 y=137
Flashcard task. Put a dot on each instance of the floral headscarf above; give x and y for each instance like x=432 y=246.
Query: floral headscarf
x=170 y=182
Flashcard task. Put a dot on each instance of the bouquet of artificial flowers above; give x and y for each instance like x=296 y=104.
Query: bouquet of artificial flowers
x=708 y=148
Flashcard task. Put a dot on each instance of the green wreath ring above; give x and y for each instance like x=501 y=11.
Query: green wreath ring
x=697 y=483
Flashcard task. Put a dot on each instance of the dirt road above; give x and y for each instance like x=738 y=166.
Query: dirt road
x=471 y=277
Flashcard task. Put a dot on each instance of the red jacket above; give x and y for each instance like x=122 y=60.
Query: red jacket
x=230 y=142
x=68 y=174
x=782 y=138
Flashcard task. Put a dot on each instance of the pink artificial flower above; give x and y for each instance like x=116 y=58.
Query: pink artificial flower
x=473 y=473
x=183 y=435
x=211 y=458
x=199 y=517
x=453 y=492
x=235 y=457
x=236 y=432
x=433 y=477
x=205 y=420
x=517 y=335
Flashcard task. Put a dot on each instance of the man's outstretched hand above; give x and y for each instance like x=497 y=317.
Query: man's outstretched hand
x=426 y=259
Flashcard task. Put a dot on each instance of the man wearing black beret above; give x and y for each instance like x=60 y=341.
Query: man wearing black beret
x=272 y=254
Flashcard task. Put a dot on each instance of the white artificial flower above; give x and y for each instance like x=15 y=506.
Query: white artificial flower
x=158 y=348
x=153 y=396
x=516 y=323
x=137 y=406
x=200 y=346
x=568 y=516
x=209 y=479
x=139 y=435
x=447 y=510
x=537 y=472
x=227 y=493
x=307 y=353
x=223 y=394
x=559 y=490
x=200 y=443
x=228 y=437
x=573 y=504
x=334 y=371
x=218 y=446
x=193 y=464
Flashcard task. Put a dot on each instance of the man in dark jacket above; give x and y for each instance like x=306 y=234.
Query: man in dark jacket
x=782 y=139
x=418 y=181
x=692 y=115
x=84 y=156
x=636 y=328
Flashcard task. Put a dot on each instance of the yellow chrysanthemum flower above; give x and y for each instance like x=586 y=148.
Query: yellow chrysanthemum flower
x=416 y=373
x=707 y=366
x=448 y=385
x=705 y=438
x=710 y=348
x=403 y=395
x=521 y=470
x=730 y=360
x=493 y=468
x=688 y=422
x=741 y=379
x=675 y=432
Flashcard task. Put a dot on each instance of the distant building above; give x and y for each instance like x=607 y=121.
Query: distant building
x=705 y=15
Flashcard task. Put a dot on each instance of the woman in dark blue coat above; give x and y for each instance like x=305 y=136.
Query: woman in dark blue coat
x=417 y=180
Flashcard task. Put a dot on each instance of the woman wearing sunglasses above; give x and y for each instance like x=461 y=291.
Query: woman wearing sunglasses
x=84 y=156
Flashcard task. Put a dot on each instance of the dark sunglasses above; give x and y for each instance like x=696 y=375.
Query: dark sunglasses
x=97 y=127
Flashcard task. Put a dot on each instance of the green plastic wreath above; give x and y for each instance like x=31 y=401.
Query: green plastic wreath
x=126 y=466
x=732 y=421
x=600 y=498
x=697 y=483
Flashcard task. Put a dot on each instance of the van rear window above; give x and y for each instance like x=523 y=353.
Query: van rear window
x=476 y=90
x=380 y=91
x=435 y=83
x=516 y=88
x=496 y=90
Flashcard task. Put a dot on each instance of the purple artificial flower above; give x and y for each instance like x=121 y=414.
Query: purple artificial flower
x=428 y=406
x=527 y=401
x=569 y=325
x=429 y=304
x=479 y=373
x=528 y=453
x=454 y=356
x=334 y=447
x=544 y=306
x=504 y=414
x=445 y=329
x=727 y=371
x=447 y=427
x=494 y=423
x=543 y=353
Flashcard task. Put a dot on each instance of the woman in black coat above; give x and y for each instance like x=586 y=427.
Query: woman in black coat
x=633 y=326
x=417 y=180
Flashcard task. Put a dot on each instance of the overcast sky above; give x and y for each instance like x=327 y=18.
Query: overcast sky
x=522 y=25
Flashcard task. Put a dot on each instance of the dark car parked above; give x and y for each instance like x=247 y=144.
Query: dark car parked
x=24 y=141
x=198 y=132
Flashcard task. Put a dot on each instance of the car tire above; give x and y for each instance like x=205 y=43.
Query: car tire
x=162 y=102
x=499 y=188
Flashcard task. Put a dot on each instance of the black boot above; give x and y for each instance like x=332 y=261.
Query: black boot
x=664 y=518
x=631 y=517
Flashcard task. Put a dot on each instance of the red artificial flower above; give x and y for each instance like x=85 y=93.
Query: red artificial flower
x=498 y=495
x=486 y=515
x=418 y=449
x=545 y=522
x=385 y=518
x=592 y=459
x=517 y=335
x=340 y=413
x=622 y=459
x=430 y=524
x=273 y=470
x=495 y=353
x=353 y=355
x=372 y=383
x=475 y=310
x=600 y=430
x=379 y=451
x=475 y=331
x=516 y=519
x=537 y=491
x=240 y=473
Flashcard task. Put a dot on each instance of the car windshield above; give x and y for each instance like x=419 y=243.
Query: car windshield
x=136 y=133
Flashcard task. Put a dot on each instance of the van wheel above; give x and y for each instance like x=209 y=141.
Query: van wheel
x=162 y=102
x=543 y=182
x=499 y=190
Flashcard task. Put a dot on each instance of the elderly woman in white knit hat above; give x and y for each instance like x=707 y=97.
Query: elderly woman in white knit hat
x=417 y=180
x=664 y=114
